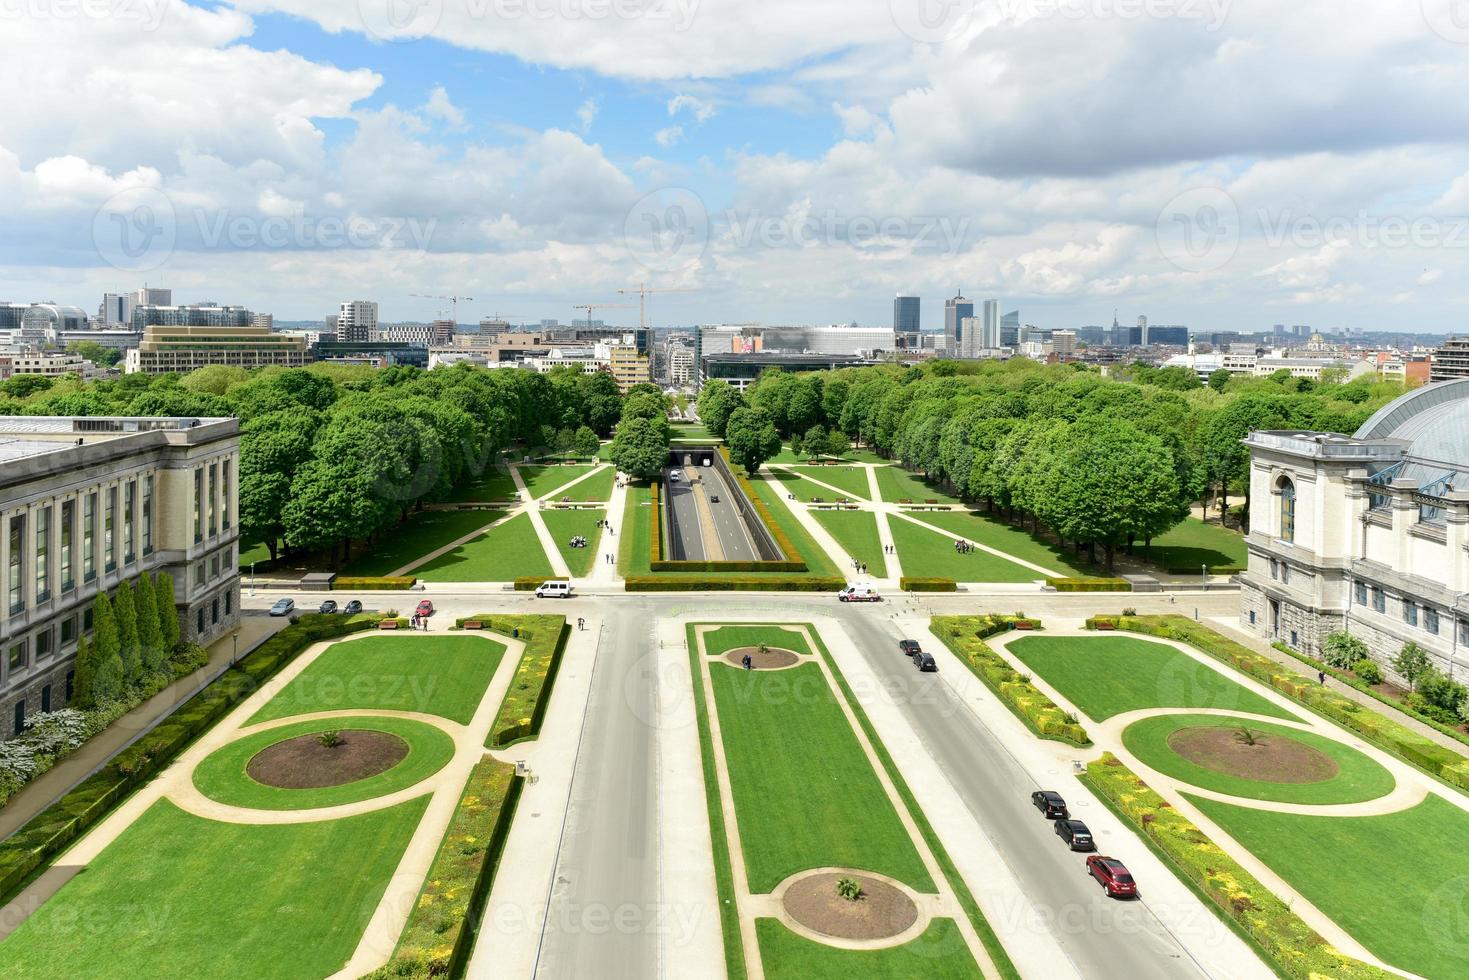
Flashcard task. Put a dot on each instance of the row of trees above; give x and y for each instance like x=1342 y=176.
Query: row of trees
x=640 y=447
x=134 y=632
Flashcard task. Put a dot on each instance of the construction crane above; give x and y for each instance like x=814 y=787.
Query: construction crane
x=453 y=301
x=643 y=290
x=590 y=307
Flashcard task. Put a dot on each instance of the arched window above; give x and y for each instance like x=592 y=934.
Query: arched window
x=1287 y=509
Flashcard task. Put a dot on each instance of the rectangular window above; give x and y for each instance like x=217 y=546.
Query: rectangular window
x=17 y=658
x=1379 y=601
x=1464 y=631
x=214 y=612
x=213 y=493
x=198 y=575
x=199 y=619
x=68 y=529
x=1430 y=620
x=109 y=515
x=43 y=644
x=1361 y=588
x=68 y=630
x=43 y=554
x=1293 y=640
x=1252 y=617
x=199 y=505
x=20 y=716
x=89 y=534
x=1274 y=569
x=129 y=499
x=16 y=581
x=1285 y=573
x=1410 y=613
x=225 y=480
x=148 y=514
x=229 y=602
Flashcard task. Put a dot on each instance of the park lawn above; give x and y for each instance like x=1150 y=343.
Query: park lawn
x=1358 y=779
x=856 y=532
x=597 y=487
x=816 y=559
x=924 y=553
x=540 y=481
x=992 y=531
x=1193 y=544
x=567 y=524
x=695 y=432
x=896 y=483
x=1108 y=675
x=180 y=896
x=252 y=552
x=1395 y=882
x=821 y=806
x=851 y=480
x=425 y=531
x=443 y=675
x=940 y=953
x=494 y=485
x=727 y=638
x=502 y=554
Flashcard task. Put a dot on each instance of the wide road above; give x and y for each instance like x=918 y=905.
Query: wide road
x=699 y=528
x=685 y=539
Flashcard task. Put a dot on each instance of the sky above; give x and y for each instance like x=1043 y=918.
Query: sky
x=1226 y=164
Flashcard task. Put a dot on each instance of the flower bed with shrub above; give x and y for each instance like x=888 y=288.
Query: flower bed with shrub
x=1291 y=946
x=524 y=707
x=373 y=583
x=912 y=584
x=965 y=636
x=1090 y=584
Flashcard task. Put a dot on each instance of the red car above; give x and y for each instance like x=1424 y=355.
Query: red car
x=425 y=608
x=1112 y=875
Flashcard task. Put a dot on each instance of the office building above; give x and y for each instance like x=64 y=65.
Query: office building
x=111 y=339
x=421 y=334
x=357 y=321
x=1142 y=331
x=47 y=365
x=747 y=338
x=629 y=366
x=989 y=339
x=116 y=310
x=167 y=349
x=743 y=370
x=1451 y=360
x=197 y=315
x=376 y=353
x=906 y=319
x=956 y=311
x=1171 y=335
x=89 y=503
x=152 y=297
x=681 y=366
x=1010 y=329
x=1063 y=342
x=266 y=320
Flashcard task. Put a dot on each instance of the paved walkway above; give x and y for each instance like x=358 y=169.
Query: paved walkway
x=604 y=572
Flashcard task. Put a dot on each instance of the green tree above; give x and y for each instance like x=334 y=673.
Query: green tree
x=216 y=379
x=1438 y=690
x=273 y=447
x=127 y=633
x=86 y=671
x=717 y=402
x=168 y=614
x=1341 y=650
x=109 y=682
x=640 y=448
x=752 y=438
x=1218 y=379
x=585 y=442
x=150 y=632
x=837 y=443
x=106 y=650
x=1411 y=663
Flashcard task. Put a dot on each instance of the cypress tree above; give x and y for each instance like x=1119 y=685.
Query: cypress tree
x=105 y=641
x=127 y=632
x=150 y=633
x=86 y=670
x=168 y=615
x=109 y=683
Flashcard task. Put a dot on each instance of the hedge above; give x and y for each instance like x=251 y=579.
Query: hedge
x=907 y=584
x=374 y=583
x=524 y=707
x=655 y=540
x=51 y=830
x=440 y=932
x=965 y=636
x=1291 y=946
x=653 y=583
x=1090 y=584
x=1197 y=567
x=1381 y=731
x=529 y=583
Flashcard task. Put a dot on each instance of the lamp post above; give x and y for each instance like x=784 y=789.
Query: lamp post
x=235 y=653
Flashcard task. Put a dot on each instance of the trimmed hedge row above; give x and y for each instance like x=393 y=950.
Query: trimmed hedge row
x=1090 y=584
x=374 y=583
x=652 y=583
x=1381 y=731
x=524 y=707
x=965 y=636
x=655 y=538
x=917 y=584
x=1196 y=568
x=51 y=830
x=529 y=583
x=1293 y=947
x=439 y=934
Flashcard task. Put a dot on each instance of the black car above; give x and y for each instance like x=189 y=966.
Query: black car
x=1075 y=834
x=330 y=606
x=714 y=498
x=909 y=647
x=925 y=662
x=353 y=608
x=1050 y=804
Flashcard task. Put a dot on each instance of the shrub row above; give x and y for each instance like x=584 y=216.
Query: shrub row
x=965 y=636
x=62 y=822
x=524 y=707
x=374 y=583
x=1381 y=731
x=1090 y=584
x=529 y=583
x=732 y=583
x=1196 y=568
x=439 y=934
x=908 y=584
x=655 y=538
x=1293 y=947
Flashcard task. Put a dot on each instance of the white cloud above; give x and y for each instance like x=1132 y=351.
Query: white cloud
x=441 y=108
x=586 y=114
x=701 y=110
x=668 y=136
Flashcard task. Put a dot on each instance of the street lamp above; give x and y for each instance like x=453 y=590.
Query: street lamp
x=235 y=655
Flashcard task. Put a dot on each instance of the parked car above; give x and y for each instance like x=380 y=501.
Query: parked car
x=909 y=647
x=925 y=662
x=283 y=607
x=425 y=608
x=1050 y=804
x=329 y=606
x=560 y=589
x=353 y=608
x=1076 y=835
x=859 y=593
x=1112 y=875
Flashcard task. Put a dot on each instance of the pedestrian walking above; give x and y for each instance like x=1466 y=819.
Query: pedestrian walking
x=413 y=621
x=747 y=662
x=1321 y=676
x=581 y=624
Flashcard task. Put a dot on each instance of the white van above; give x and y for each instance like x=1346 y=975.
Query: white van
x=554 y=590
x=859 y=593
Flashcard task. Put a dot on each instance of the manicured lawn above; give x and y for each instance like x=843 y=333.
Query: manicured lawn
x=597 y=487
x=938 y=954
x=821 y=806
x=179 y=896
x=633 y=552
x=1396 y=882
x=416 y=537
x=502 y=554
x=896 y=484
x=442 y=675
x=1193 y=544
x=851 y=480
x=994 y=532
x=223 y=775
x=1108 y=675
x=815 y=558
x=1358 y=779
x=253 y=552
x=927 y=553
x=567 y=524
x=494 y=485
x=542 y=480
x=727 y=638
x=856 y=532
x=694 y=432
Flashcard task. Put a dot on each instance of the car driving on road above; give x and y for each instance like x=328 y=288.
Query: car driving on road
x=353 y=608
x=1050 y=804
x=1076 y=835
x=909 y=647
x=283 y=607
x=1112 y=875
x=329 y=606
x=925 y=662
x=859 y=593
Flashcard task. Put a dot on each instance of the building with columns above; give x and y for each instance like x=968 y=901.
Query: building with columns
x=88 y=503
x=1367 y=533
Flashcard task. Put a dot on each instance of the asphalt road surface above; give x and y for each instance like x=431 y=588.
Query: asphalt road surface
x=696 y=517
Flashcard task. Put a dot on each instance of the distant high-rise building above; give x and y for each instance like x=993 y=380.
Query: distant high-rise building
x=956 y=311
x=1063 y=342
x=989 y=338
x=1301 y=330
x=357 y=321
x=906 y=314
x=196 y=315
x=1010 y=329
x=266 y=320
x=152 y=297
x=1451 y=360
x=116 y=310
x=1142 y=331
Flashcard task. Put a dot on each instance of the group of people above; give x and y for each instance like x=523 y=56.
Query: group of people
x=859 y=566
x=963 y=547
x=579 y=541
x=418 y=622
x=607 y=526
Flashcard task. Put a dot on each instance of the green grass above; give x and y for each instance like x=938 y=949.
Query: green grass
x=926 y=553
x=252 y=552
x=816 y=559
x=989 y=530
x=896 y=483
x=1395 y=882
x=695 y=432
x=940 y=953
x=852 y=480
x=634 y=551
x=443 y=675
x=821 y=806
x=420 y=534
x=179 y=896
x=1193 y=544
x=223 y=777
x=1358 y=779
x=856 y=532
x=597 y=487
x=566 y=524
x=501 y=554
x=494 y=485
x=541 y=480
x=1108 y=675
x=727 y=638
